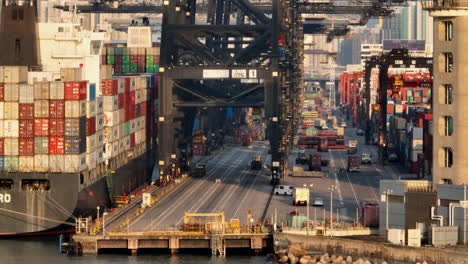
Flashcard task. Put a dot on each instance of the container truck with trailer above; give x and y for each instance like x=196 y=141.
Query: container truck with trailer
x=323 y=147
x=352 y=147
x=354 y=163
x=199 y=170
x=301 y=196
x=256 y=163
x=315 y=162
x=369 y=214
x=298 y=171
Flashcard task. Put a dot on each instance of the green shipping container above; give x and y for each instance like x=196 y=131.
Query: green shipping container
x=126 y=59
x=126 y=68
x=110 y=59
x=429 y=93
x=127 y=128
x=149 y=67
x=149 y=60
x=156 y=68
x=118 y=51
x=133 y=68
x=410 y=98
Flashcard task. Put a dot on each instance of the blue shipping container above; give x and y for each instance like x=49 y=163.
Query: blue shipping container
x=2 y=163
x=92 y=92
x=229 y=112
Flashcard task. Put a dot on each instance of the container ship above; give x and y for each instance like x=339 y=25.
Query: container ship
x=77 y=121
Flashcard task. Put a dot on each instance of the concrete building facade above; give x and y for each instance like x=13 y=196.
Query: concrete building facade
x=450 y=144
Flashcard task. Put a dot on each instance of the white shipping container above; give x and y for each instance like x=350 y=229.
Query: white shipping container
x=41 y=108
x=121 y=86
x=57 y=91
x=41 y=163
x=99 y=122
x=75 y=163
x=11 y=146
x=90 y=143
x=418 y=133
x=138 y=96
x=41 y=90
x=90 y=108
x=2 y=73
x=2 y=109
x=400 y=123
x=121 y=115
x=140 y=136
x=111 y=134
x=26 y=94
x=111 y=102
x=26 y=163
x=414 y=155
x=132 y=125
x=11 y=128
x=398 y=109
x=57 y=163
x=106 y=72
x=99 y=138
x=91 y=160
x=11 y=92
x=122 y=145
x=99 y=156
x=99 y=105
x=11 y=110
x=15 y=74
x=121 y=130
x=75 y=109
x=127 y=142
x=111 y=118
x=1 y=128
x=71 y=74
x=139 y=123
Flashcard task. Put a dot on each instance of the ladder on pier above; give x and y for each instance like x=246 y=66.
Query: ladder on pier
x=217 y=244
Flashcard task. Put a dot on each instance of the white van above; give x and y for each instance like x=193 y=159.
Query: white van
x=284 y=190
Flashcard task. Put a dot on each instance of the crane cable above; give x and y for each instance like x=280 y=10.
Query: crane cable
x=39 y=217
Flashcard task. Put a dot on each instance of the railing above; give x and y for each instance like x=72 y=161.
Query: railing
x=442 y=4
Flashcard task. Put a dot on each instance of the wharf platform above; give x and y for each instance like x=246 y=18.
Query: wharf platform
x=219 y=243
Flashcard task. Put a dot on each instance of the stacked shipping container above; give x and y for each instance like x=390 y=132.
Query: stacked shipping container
x=131 y=60
x=64 y=127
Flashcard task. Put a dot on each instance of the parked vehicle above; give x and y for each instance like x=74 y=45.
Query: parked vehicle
x=366 y=158
x=323 y=147
x=283 y=190
x=315 y=163
x=392 y=157
x=256 y=163
x=343 y=124
x=317 y=202
x=301 y=158
x=369 y=214
x=298 y=171
x=353 y=163
x=300 y=196
x=360 y=132
x=199 y=170
x=352 y=147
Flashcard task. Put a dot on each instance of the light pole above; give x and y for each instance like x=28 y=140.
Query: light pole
x=104 y=223
x=387 y=192
x=97 y=212
x=308 y=205
x=331 y=189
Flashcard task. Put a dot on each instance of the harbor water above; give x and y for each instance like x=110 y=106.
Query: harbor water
x=47 y=251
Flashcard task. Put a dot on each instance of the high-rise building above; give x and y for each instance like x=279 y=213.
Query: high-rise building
x=450 y=144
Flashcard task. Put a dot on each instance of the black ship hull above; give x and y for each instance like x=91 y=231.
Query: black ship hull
x=34 y=210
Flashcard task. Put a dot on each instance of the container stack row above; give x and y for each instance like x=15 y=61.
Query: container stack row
x=131 y=60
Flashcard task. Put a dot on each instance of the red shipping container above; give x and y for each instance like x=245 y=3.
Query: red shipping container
x=390 y=108
x=26 y=111
x=121 y=100
x=2 y=152
x=132 y=140
x=56 y=145
x=41 y=127
x=127 y=85
x=127 y=114
x=57 y=127
x=141 y=59
x=132 y=98
x=72 y=90
x=156 y=60
x=91 y=126
x=109 y=87
x=26 y=146
x=26 y=128
x=83 y=89
x=103 y=59
x=143 y=108
x=2 y=93
x=133 y=59
x=57 y=108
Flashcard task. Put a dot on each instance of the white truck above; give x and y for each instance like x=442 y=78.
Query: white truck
x=319 y=123
x=300 y=196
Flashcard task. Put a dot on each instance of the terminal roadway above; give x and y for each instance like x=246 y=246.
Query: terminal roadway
x=240 y=189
